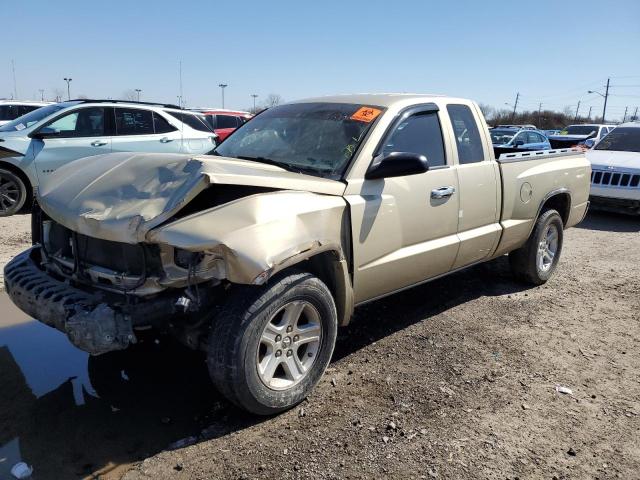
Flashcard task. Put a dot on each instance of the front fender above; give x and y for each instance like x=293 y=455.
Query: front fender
x=259 y=235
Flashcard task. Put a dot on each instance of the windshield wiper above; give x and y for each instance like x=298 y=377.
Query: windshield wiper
x=268 y=161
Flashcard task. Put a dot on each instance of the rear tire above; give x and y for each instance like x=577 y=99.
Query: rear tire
x=270 y=345
x=536 y=260
x=13 y=193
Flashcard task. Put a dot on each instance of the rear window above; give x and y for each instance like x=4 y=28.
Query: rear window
x=579 y=130
x=227 y=121
x=197 y=122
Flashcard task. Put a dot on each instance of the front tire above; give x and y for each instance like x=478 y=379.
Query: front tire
x=270 y=345
x=13 y=193
x=536 y=260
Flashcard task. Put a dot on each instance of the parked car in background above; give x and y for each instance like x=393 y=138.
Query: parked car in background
x=224 y=122
x=548 y=133
x=573 y=135
x=12 y=109
x=255 y=254
x=36 y=144
x=526 y=127
x=615 y=176
x=509 y=139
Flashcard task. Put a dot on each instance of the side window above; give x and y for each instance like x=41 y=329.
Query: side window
x=226 y=121
x=418 y=134
x=134 y=121
x=24 y=109
x=86 y=122
x=603 y=132
x=161 y=125
x=467 y=135
x=9 y=112
x=533 y=137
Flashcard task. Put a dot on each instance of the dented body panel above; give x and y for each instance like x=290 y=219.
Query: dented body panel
x=206 y=223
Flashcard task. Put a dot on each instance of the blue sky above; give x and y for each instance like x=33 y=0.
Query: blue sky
x=549 y=51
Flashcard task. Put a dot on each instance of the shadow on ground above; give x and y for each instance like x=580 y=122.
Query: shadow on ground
x=610 y=222
x=137 y=402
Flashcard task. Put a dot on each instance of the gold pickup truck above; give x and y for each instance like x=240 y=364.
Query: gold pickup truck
x=259 y=251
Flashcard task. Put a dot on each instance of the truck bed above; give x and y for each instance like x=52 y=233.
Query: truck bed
x=528 y=178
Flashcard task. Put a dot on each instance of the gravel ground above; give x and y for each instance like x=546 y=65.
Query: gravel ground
x=15 y=236
x=452 y=379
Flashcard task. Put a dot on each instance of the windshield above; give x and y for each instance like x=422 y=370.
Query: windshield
x=317 y=138
x=625 y=139
x=500 y=136
x=32 y=118
x=579 y=130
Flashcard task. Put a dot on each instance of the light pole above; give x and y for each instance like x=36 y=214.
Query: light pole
x=41 y=95
x=589 y=116
x=254 y=95
x=515 y=106
x=605 y=96
x=138 y=92
x=68 y=80
x=222 y=87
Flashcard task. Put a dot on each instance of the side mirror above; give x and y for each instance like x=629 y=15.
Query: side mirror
x=44 y=132
x=518 y=143
x=397 y=164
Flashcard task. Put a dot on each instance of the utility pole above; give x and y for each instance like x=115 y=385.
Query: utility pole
x=625 y=114
x=254 y=95
x=222 y=87
x=68 y=80
x=180 y=76
x=589 y=116
x=635 y=115
x=41 y=95
x=539 y=110
x=515 y=106
x=606 y=95
x=138 y=92
x=15 y=84
x=577 y=109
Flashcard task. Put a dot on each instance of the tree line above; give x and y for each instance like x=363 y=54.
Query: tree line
x=543 y=119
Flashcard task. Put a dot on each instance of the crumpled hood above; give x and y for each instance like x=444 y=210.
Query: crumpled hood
x=609 y=158
x=121 y=196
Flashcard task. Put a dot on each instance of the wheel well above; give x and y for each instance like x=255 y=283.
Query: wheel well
x=561 y=202
x=23 y=176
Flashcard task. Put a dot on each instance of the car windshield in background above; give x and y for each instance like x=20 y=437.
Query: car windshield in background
x=579 y=130
x=315 y=138
x=32 y=118
x=625 y=139
x=500 y=136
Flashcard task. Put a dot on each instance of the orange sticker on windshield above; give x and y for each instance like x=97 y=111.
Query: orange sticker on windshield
x=366 y=114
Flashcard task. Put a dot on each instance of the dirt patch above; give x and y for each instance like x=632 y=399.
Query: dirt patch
x=457 y=379
x=453 y=379
x=15 y=237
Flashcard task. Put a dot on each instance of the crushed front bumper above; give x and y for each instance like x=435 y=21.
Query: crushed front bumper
x=94 y=322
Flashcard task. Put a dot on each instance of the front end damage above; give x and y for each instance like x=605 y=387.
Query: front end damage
x=158 y=247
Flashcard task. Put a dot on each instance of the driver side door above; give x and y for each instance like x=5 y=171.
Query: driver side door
x=404 y=229
x=80 y=133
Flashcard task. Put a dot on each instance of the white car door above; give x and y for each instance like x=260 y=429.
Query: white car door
x=142 y=130
x=76 y=134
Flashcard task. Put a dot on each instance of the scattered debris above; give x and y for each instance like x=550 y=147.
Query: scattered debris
x=21 y=470
x=333 y=381
x=385 y=439
x=565 y=390
x=301 y=412
x=571 y=452
x=525 y=406
x=391 y=426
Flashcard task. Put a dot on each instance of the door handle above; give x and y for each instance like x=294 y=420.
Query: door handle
x=166 y=140
x=442 y=192
x=98 y=143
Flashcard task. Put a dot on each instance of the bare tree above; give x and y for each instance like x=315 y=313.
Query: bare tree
x=58 y=93
x=487 y=110
x=272 y=100
x=130 y=95
x=83 y=96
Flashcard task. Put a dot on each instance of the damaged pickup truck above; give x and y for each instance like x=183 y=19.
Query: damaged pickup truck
x=258 y=252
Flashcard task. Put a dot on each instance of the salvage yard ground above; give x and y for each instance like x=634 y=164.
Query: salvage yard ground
x=452 y=379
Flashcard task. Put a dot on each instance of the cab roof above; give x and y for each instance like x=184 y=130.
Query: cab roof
x=377 y=99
